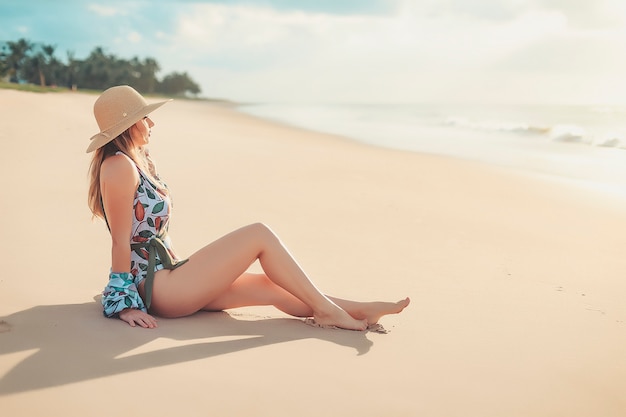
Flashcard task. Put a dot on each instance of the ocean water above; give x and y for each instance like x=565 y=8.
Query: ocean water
x=582 y=144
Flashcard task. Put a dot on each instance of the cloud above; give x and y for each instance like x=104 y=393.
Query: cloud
x=584 y=14
x=259 y=53
x=105 y=11
x=488 y=10
x=134 y=37
x=224 y=29
x=580 y=13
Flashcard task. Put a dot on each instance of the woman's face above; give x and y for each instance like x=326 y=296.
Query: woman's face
x=140 y=132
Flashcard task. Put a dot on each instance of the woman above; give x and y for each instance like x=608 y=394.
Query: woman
x=147 y=277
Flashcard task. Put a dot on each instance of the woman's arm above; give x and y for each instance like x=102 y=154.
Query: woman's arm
x=119 y=180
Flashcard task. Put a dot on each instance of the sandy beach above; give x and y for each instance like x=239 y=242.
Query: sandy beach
x=517 y=282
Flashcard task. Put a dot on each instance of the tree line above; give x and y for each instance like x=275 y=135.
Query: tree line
x=23 y=61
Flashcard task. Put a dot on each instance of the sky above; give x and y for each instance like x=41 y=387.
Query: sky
x=353 y=51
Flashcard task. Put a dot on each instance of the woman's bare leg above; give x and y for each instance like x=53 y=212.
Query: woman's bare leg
x=371 y=311
x=211 y=271
x=257 y=289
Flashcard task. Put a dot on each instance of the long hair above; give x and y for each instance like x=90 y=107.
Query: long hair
x=123 y=143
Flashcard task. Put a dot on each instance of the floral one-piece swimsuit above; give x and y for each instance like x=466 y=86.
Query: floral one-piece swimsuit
x=151 y=214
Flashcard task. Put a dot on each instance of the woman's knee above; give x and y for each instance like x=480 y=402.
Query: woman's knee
x=263 y=232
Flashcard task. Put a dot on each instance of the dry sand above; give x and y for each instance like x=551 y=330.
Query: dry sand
x=517 y=282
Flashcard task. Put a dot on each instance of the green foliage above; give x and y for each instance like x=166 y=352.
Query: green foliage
x=176 y=83
x=24 y=62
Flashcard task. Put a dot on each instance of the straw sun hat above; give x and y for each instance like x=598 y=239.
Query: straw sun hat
x=117 y=109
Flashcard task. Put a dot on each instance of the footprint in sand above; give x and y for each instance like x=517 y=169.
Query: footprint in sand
x=4 y=326
x=375 y=328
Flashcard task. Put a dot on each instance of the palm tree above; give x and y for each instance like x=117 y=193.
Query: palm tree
x=4 y=65
x=148 y=70
x=41 y=67
x=178 y=84
x=49 y=65
x=70 y=70
x=95 y=71
x=18 y=53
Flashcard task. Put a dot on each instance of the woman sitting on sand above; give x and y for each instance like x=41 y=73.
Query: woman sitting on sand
x=146 y=276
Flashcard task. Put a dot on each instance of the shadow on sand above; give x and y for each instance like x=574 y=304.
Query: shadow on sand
x=73 y=342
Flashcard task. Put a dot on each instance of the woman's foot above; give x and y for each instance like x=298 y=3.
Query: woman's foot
x=339 y=318
x=372 y=312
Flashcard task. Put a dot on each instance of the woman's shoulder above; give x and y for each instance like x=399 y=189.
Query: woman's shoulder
x=118 y=167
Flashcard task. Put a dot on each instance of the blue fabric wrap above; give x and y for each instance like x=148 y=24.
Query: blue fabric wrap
x=121 y=293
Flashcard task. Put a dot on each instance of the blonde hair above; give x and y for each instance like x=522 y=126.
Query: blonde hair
x=123 y=143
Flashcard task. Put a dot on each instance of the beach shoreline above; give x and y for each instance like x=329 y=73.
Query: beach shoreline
x=516 y=281
x=577 y=144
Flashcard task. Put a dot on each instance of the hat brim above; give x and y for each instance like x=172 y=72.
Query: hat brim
x=102 y=138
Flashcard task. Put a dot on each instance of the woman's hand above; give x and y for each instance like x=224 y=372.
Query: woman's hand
x=133 y=317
